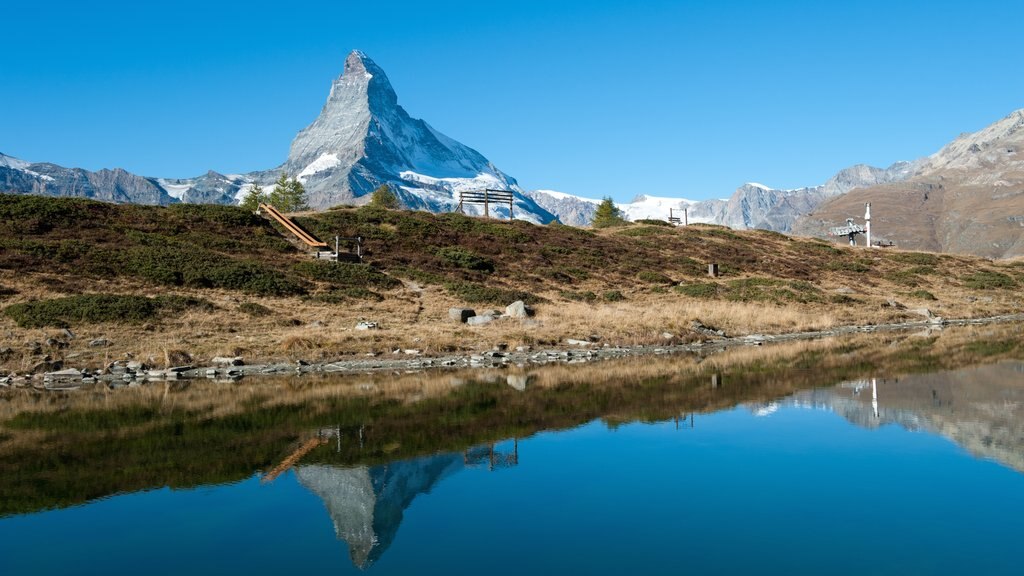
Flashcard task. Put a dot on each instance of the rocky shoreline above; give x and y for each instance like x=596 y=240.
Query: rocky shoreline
x=122 y=374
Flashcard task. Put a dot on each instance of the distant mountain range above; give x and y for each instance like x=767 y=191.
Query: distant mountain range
x=968 y=197
x=752 y=205
x=361 y=139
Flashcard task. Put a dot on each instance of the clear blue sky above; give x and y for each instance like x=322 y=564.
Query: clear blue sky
x=590 y=97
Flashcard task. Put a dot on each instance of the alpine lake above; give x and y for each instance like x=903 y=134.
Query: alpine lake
x=884 y=453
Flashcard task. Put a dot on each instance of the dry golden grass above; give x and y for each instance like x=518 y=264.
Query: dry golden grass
x=417 y=319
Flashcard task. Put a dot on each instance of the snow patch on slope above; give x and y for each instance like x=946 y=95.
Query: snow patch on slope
x=14 y=163
x=326 y=161
x=176 y=191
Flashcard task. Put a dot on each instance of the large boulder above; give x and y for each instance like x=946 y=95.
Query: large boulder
x=518 y=309
x=461 y=315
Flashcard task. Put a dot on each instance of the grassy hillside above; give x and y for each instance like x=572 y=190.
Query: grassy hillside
x=242 y=287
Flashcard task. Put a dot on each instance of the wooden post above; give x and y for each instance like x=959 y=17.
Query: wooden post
x=487 y=204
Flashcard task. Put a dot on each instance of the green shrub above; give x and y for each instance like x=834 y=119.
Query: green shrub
x=846 y=265
x=988 y=280
x=345 y=274
x=698 y=289
x=691 y=267
x=586 y=296
x=96 y=308
x=903 y=278
x=922 y=295
x=613 y=296
x=637 y=231
x=652 y=277
x=417 y=275
x=347 y=294
x=254 y=309
x=654 y=222
x=772 y=290
x=915 y=258
x=817 y=246
x=169 y=264
x=473 y=293
x=464 y=258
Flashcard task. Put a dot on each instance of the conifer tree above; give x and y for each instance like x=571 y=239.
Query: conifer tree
x=289 y=195
x=607 y=215
x=254 y=198
x=384 y=197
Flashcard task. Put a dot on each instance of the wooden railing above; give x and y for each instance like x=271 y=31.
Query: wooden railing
x=487 y=197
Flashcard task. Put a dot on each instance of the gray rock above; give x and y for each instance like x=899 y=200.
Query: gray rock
x=921 y=311
x=227 y=361
x=99 y=343
x=575 y=342
x=461 y=314
x=479 y=320
x=366 y=325
x=69 y=373
x=518 y=309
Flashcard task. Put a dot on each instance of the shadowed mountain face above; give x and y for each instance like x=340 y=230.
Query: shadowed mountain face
x=967 y=198
x=366 y=503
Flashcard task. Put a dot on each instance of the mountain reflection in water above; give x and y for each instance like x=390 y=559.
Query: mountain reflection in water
x=620 y=443
x=979 y=408
x=366 y=503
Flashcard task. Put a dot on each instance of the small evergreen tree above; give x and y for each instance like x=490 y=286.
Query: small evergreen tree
x=607 y=215
x=384 y=197
x=289 y=195
x=254 y=198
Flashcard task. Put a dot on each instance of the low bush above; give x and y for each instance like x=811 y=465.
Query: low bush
x=988 y=280
x=464 y=258
x=922 y=295
x=474 y=293
x=845 y=265
x=915 y=258
x=698 y=289
x=638 y=231
x=347 y=294
x=345 y=274
x=613 y=296
x=254 y=309
x=97 y=308
x=654 y=222
x=652 y=277
x=586 y=296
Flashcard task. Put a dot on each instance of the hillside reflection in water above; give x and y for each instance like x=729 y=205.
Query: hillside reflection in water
x=909 y=449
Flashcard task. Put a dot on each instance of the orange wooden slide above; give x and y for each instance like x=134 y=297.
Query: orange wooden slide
x=298 y=231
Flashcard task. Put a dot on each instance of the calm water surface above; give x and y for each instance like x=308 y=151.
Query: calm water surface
x=913 y=474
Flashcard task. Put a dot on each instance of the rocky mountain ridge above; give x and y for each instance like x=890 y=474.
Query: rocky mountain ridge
x=966 y=198
x=362 y=138
x=752 y=205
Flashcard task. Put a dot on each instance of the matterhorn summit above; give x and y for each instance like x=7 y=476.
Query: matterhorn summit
x=363 y=139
